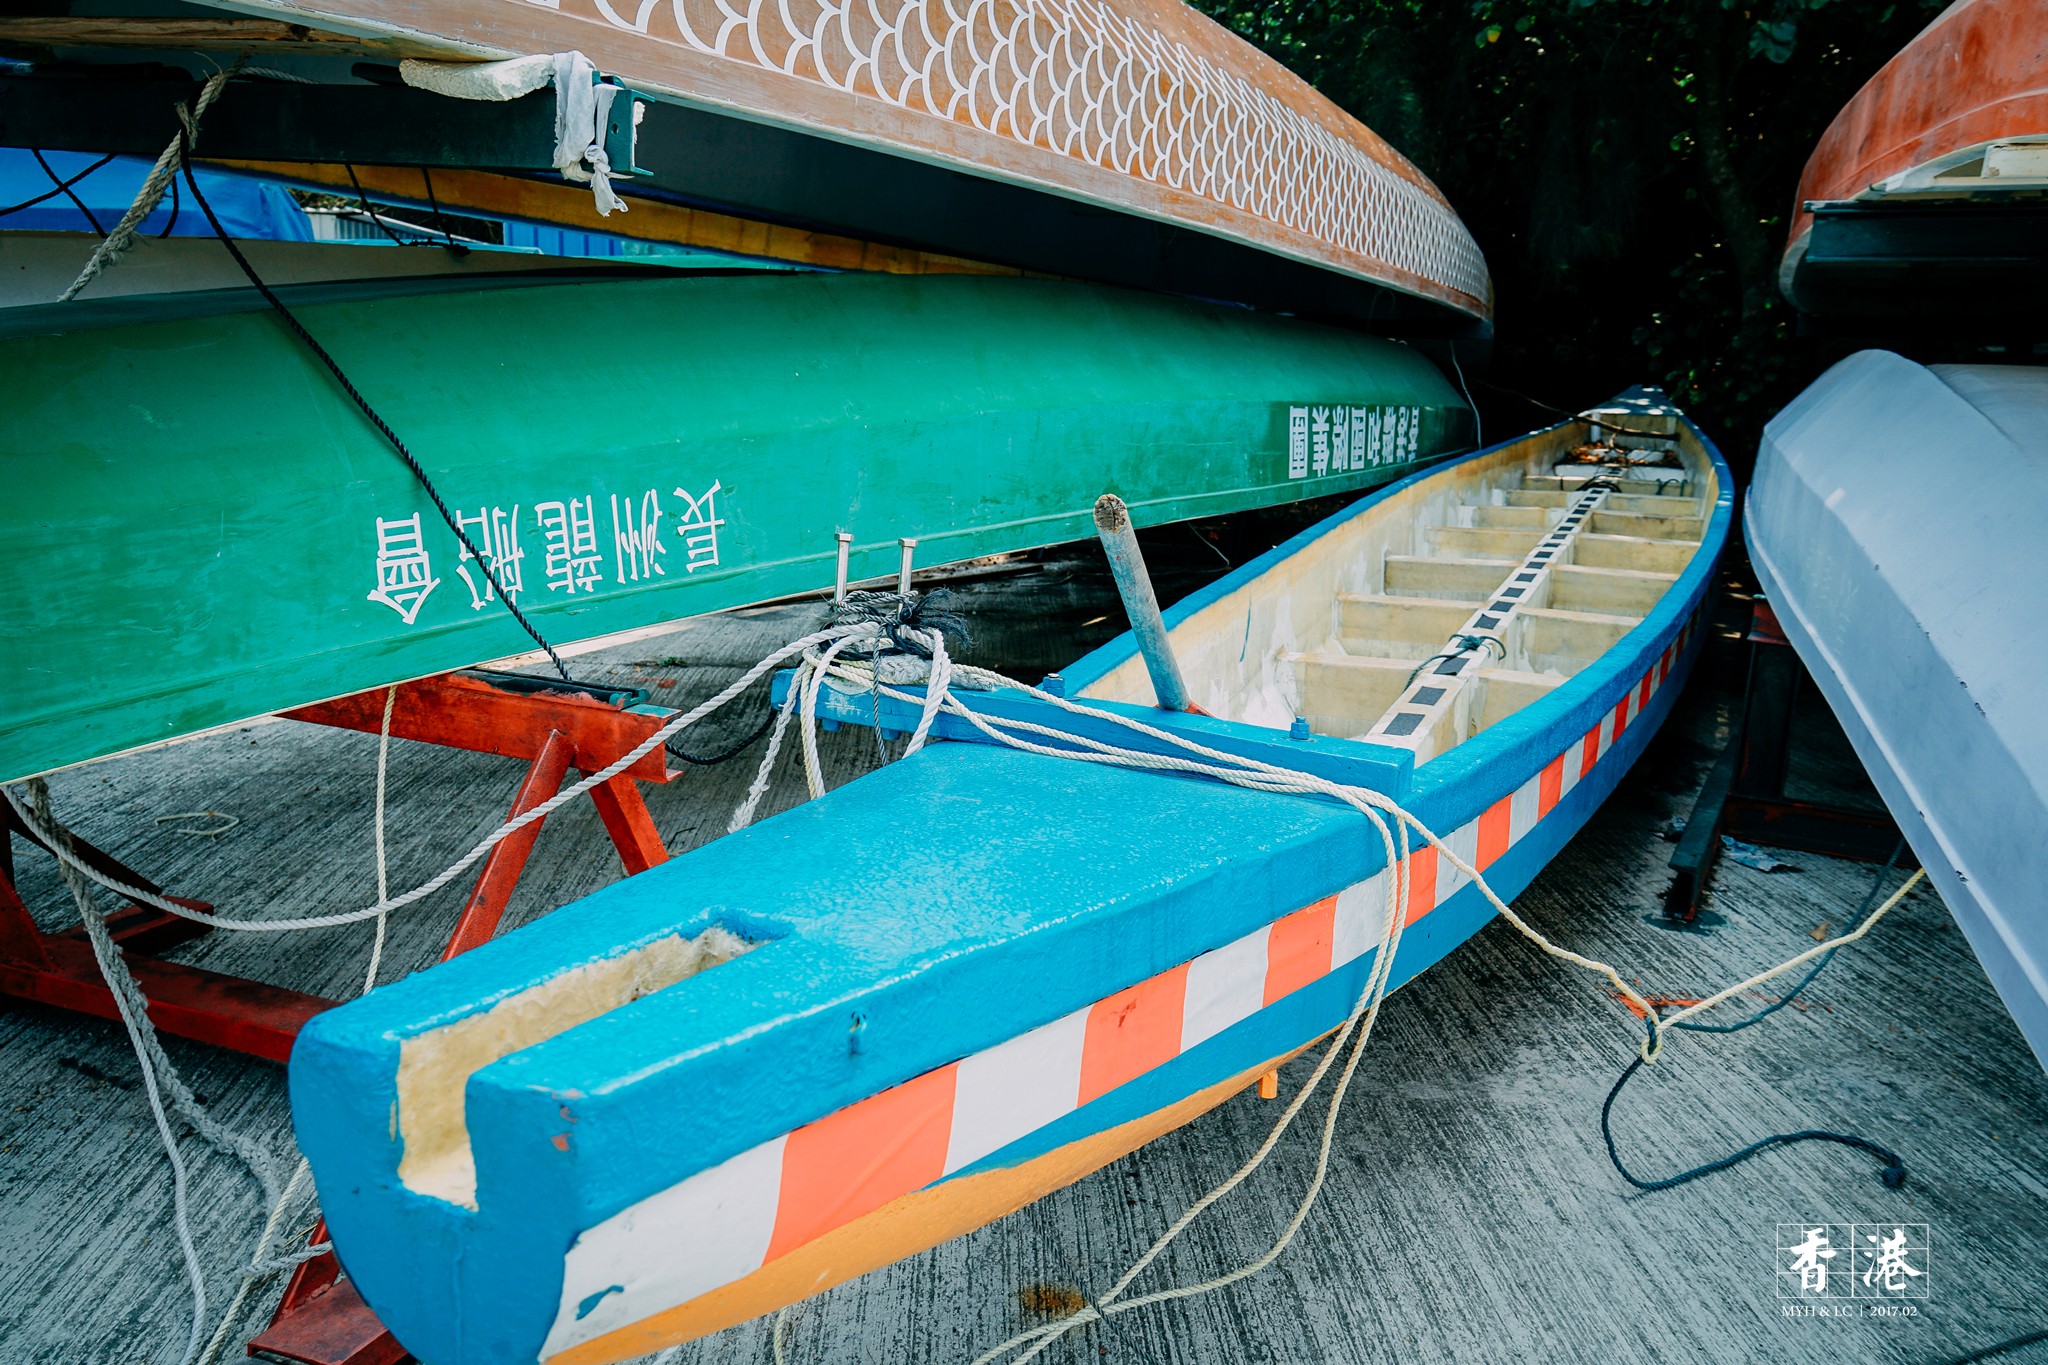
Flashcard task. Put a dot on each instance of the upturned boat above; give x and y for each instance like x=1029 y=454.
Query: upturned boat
x=1902 y=607
x=1135 y=142
x=895 y=1013
x=1921 y=210
x=1923 y=216
x=194 y=491
x=188 y=487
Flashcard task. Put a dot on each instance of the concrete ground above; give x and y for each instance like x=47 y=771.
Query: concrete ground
x=1470 y=1212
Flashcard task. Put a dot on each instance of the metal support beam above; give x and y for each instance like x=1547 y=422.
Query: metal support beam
x=1744 y=795
x=1913 y=270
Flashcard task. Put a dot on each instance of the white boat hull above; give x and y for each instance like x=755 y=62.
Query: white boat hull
x=1897 y=524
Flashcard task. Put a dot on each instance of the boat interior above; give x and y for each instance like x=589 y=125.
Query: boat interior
x=1452 y=602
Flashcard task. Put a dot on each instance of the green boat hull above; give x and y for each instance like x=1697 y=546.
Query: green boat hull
x=199 y=528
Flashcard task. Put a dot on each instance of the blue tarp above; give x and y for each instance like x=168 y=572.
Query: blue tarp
x=246 y=207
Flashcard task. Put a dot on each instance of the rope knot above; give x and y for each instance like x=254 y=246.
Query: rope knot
x=911 y=622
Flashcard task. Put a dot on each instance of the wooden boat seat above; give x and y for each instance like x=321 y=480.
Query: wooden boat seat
x=1534 y=518
x=1652 y=525
x=1445 y=576
x=1633 y=552
x=1620 y=592
x=1503 y=691
x=1660 y=482
x=1656 y=503
x=1396 y=627
x=1343 y=694
x=1485 y=542
x=1553 y=641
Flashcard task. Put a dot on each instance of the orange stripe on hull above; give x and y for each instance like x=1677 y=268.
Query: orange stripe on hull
x=1421 y=884
x=1495 y=831
x=1133 y=1032
x=1298 y=949
x=850 y=1163
x=904 y=1227
x=1550 y=790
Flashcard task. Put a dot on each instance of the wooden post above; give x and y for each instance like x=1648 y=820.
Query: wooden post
x=1113 y=524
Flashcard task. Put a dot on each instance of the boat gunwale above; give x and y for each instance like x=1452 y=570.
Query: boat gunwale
x=1577 y=699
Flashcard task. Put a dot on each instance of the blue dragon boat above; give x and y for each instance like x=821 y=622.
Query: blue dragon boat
x=896 y=1013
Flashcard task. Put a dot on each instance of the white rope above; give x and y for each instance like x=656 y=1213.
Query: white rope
x=1253 y=774
x=213 y=831
x=1793 y=964
x=377 y=827
x=744 y=815
x=262 y=1265
x=448 y=874
x=117 y=242
x=160 y=1077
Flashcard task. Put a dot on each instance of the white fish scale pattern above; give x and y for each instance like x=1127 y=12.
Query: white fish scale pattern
x=1083 y=81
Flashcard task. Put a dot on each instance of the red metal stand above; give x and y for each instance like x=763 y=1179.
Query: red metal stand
x=554 y=726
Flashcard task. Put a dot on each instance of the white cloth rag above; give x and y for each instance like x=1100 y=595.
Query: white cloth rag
x=583 y=106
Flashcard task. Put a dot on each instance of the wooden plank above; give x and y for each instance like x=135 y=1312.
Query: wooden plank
x=197 y=34
x=648 y=220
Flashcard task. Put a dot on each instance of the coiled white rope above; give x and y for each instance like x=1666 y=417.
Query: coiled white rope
x=263 y=1264
x=161 y=1077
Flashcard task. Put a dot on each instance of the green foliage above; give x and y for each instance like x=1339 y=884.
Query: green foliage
x=1628 y=166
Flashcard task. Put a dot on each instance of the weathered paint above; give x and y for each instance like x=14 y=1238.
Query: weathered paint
x=194 y=511
x=1115 y=944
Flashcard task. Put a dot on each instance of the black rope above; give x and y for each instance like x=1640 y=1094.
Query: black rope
x=930 y=611
x=370 y=208
x=731 y=751
x=64 y=186
x=1466 y=644
x=441 y=219
x=1894 y=1173
x=412 y=463
x=1869 y=897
